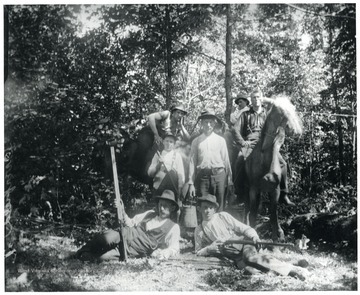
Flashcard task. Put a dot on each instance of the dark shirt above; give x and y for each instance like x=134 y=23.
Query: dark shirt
x=248 y=126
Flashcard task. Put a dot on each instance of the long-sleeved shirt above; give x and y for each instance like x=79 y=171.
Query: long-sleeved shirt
x=221 y=227
x=172 y=161
x=208 y=152
x=169 y=245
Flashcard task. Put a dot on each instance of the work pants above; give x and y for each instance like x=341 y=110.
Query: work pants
x=212 y=182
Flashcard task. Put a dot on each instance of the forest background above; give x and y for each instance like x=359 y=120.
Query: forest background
x=70 y=88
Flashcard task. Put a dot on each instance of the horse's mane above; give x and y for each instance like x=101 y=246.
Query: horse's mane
x=285 y=106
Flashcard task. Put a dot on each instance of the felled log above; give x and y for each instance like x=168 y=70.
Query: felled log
x=329 y=227
x=199 y=262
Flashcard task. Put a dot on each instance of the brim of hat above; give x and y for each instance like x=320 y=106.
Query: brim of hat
x=210 y=117
x=242 y=98
x=203 y=200
x=174 y=109
x=176 y=204
x=168 y=135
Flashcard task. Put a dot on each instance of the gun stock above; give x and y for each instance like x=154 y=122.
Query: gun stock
x=119 y=204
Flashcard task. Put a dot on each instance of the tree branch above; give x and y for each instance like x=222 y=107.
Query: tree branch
x=318 y=14
x=201 y=53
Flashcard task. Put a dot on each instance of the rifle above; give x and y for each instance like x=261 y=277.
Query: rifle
x=119 y=205
x=246 y=242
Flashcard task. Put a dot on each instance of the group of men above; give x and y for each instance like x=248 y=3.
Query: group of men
x=155 y=233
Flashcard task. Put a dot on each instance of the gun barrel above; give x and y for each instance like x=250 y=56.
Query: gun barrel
x=245 y=242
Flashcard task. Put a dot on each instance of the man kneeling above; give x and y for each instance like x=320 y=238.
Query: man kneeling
x=151 y=233
x=216 y=228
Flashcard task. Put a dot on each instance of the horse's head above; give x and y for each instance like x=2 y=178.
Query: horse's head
x=281 y=119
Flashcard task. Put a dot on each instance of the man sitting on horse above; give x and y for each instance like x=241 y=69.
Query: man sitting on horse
x=152 y=233
x=246 y=133
x=216 y=228
x=169 y=121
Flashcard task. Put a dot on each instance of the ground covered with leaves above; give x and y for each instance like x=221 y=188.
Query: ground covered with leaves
x=42 y=263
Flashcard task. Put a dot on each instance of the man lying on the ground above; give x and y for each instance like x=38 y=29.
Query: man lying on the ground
x=216 y=228
x=151 y=233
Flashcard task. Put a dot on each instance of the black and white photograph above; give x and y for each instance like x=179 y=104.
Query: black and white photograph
x=179 y=147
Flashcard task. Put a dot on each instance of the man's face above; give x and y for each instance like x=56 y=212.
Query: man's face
x=207 y=210
x=241 y=104
x=178 y=115
x=256 y=99
x=169 y=143
x=165 y=208
x=208 y=125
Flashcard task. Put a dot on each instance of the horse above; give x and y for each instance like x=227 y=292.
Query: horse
x=262 y=166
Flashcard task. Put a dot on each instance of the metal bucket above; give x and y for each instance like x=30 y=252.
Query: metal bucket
x=188 y=216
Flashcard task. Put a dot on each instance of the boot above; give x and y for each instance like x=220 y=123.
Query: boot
x=284 y=198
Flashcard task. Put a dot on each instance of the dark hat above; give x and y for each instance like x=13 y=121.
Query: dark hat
x=170 y=196
x=169 y=134
x=242 y=95
x=179 y=107
x=207 y=114
x=209 y=198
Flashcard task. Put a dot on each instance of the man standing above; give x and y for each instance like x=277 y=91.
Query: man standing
x=209 y=168
x=151 y=233
x=216 y=228
x=247 y=132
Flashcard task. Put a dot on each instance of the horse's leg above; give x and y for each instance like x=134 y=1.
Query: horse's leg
x=254 y=201
x=277 y=232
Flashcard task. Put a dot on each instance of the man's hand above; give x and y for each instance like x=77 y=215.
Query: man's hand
x=214 y=248
x=256 y=240
x=246 y=144
x=158 y=139
x=192 y=191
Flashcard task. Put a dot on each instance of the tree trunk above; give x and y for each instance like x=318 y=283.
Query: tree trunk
x=228 y=64
x=168 y=58
x=6 y=45
x=333 y=88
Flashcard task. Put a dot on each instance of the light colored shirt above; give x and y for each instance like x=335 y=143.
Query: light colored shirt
x=172 y=161
x=236 y=114
x=169 y=245
x=221 y=227
x=209 y=152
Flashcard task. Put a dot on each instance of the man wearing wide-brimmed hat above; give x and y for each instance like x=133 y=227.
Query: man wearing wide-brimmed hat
x=151 y=233
x=242 y=102
x=169 y=121
x=216 y=228
x=209 y=168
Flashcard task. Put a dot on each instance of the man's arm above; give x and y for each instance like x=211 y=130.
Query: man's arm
x=136 y=219
x=192 y=166
x=225 y=156
x=240 y=228
x=154 y=166
x=152 y=118
x=237 y=128
x=172 y=241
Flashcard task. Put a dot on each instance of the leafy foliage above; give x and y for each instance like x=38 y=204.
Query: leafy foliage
x=68 y=93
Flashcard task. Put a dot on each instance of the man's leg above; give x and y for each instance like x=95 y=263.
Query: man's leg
x=266 y=262
x=284 y=190
x=239 y=177
x=99 y=245
x=218 y=184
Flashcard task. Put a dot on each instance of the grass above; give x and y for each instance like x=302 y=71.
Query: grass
x=41 y=264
